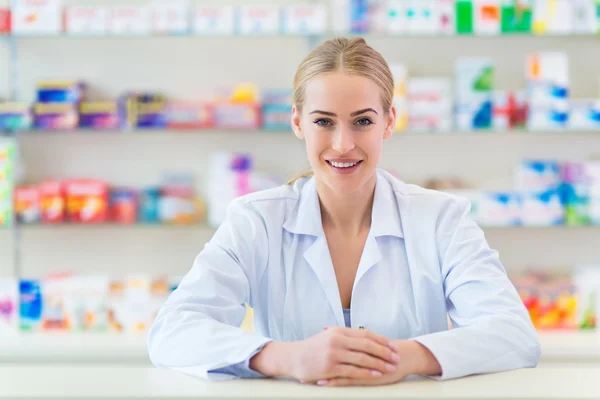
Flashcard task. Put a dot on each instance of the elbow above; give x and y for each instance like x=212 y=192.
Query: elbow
x=156 y=345
x=534 y=352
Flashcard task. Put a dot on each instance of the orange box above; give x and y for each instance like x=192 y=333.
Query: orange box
x=4 y=21
x=87 y=201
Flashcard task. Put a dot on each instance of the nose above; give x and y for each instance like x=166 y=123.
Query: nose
x=343 y=141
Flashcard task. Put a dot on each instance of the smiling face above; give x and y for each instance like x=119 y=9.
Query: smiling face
x=343 y=123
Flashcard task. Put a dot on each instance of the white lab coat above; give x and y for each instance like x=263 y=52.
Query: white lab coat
x=424 y=259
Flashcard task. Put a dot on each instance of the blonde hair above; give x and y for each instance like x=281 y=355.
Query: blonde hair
x=351 y=56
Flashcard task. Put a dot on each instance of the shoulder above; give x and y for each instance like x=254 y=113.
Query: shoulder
x=269 y=203
x=423 y=202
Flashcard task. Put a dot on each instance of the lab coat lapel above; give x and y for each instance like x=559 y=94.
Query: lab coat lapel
x=319 y=259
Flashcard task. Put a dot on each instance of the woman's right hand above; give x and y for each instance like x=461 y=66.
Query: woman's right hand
x=334 y=353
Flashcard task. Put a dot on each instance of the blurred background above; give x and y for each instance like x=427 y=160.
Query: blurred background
x=128 y=126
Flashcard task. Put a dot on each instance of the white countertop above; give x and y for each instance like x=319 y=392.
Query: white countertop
x=557 y=347
x=28 y=382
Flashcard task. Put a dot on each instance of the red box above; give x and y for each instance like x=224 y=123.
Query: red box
x=52 y=200
x=189 y=115
x=87 y=201
x=5 y=21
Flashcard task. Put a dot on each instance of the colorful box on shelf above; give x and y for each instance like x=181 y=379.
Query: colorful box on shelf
x=517 y=16
x=277 y=110
x=9 y=305
x=178 y=203
x=474 y=93
x=575 y=191
x=27 y=204
x=55 y=116
x=584 y=114
x=99 y=115
x=214 y=20
x=542 y=209
x=52 y=201
x=86 y=20
x=537 y=175
x=36 y=17
x=465 y=17
x=418 y=17
x=487 y=17
x=304 y=19
x=510 y=110
x=87 y=201
x=123 y=206
x=400 y=99
x=76 y=303
x=60 y=91
x=189 y=115
x=5 y=25
x=499 y=209
x=15 y=117
x=259 y=20
x=143 y=111
x=130 y=20
x=170 y=18
x=429 y=104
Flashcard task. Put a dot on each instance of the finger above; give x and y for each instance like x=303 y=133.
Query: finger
x=364 y=360
x=372 y=348
x=362 y=333
x=346 y=382
x=353 y=372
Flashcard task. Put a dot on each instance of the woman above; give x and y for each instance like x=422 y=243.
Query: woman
x=351 y=273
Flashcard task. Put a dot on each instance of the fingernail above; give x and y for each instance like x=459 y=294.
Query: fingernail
x=376 y=374
x=395 y=357
x=390 y=367
x=322 y=382
x=325 y=328
x=393 y=347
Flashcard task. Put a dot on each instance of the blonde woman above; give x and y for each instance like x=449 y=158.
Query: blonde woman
x=351 y=273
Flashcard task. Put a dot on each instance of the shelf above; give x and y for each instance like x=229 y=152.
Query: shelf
x=213 y=132
x=320 y=36
x=559 y=347
x=205 y=227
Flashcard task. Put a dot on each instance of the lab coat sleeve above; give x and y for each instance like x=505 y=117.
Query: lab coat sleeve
x=492 y=330
x=197 y=331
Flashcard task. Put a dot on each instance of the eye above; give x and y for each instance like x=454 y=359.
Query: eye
x=364 y=122
x=323 y=122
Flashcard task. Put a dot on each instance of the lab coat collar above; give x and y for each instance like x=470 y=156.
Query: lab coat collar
x=385 y=217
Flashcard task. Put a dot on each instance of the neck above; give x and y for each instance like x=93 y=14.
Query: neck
x=348 y=214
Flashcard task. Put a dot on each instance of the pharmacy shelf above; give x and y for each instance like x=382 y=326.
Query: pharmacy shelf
x=211 y=132
x=560 y=347
x=208 y=228
x=319 y=36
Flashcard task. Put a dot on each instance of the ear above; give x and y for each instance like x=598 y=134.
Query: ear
x=296 y=123
x=390 y=122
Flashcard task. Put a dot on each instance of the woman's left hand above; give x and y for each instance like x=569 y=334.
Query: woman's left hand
x=415 y=359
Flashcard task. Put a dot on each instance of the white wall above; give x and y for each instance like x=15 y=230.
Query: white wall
x=190 y=68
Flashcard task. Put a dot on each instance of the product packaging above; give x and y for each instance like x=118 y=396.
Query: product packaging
x=87 y=201
x=99 y=115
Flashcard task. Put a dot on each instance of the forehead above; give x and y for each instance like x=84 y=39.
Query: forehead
x=338 y=92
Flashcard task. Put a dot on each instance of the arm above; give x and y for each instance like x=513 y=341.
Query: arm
x=493 y=331
x=197 y=330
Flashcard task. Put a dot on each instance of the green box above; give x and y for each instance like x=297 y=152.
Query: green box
x=516 y=16
x=464 y=17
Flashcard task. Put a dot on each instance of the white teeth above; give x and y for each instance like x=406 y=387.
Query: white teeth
x=343 y=165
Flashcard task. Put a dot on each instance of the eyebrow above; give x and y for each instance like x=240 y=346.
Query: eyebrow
x=355 y=113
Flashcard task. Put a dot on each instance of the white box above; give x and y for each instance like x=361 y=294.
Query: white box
x=171 y=17
x=259 y=20
x=305 y=19
x=422 y=17
x=82 y=20
x=36 y=17
x=398 y=21
x=487 y=17
x=340 y=16
x=218 y=21
x=130 y=20
x=555 y=17
x=447 y=17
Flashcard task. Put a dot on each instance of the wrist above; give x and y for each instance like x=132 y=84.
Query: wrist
x=272 y=360
x=425 y=362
